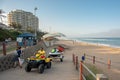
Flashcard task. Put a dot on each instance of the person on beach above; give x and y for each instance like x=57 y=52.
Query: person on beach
x=17 y=57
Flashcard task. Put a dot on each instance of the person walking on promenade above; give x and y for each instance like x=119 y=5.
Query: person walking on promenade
x=17 y=57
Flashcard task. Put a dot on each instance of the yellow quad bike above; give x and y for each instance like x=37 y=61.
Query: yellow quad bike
x=40 y=63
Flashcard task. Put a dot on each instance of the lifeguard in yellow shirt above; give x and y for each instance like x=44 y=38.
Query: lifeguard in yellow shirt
x=41 y=51
x=40 y=54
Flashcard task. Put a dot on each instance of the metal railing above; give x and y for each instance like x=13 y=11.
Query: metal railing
x=95 y=59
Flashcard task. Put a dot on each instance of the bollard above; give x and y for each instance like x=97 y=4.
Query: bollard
x=17 y=44
x=101 y=77
x=4 y=48
x=93 y=59
x=109 y=63
x=76 y=62
x=25 y=43
x=81 y=71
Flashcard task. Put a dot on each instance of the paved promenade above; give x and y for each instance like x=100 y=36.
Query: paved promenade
x=59 y=71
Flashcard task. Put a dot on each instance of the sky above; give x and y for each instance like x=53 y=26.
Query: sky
x=74 y=18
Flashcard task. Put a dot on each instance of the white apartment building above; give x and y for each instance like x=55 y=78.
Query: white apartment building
x=26 y=19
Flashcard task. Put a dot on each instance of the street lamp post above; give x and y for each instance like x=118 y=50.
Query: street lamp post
x=35 y=9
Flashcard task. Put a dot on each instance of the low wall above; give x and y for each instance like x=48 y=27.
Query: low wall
x=6 y=62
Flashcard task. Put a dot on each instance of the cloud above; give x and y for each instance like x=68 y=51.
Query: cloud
x=4 y=18
x=111 y=33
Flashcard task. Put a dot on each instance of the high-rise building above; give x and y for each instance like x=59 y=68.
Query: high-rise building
x=26 y=19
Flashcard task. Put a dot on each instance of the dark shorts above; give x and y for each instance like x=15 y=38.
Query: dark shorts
x=15 y=58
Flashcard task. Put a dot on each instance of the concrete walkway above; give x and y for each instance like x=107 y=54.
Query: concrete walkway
x=59 y=71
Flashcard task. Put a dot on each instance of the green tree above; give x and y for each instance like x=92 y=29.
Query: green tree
x=8 y=34
x=16 y=25
x=29 y=29
x=40 y=34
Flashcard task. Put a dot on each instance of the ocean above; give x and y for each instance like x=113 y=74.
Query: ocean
x=113 y=42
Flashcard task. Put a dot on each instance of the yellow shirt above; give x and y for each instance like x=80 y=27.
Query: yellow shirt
x=42 y=52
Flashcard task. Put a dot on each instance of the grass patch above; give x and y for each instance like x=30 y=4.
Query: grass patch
x=94 y=69
x=11 y=49
x=0 y=51
x=89 y=77
x=8 y=49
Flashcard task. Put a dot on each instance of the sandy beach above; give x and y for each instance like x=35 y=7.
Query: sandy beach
x=102 y=54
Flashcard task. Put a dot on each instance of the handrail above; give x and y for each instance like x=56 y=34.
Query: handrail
x=89 y=71
x=83 y=77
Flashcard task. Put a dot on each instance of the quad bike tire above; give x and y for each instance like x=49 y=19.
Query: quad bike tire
x=27 y=68
x=41 y=68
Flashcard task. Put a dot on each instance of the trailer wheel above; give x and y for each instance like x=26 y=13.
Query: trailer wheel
x=61 y=59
